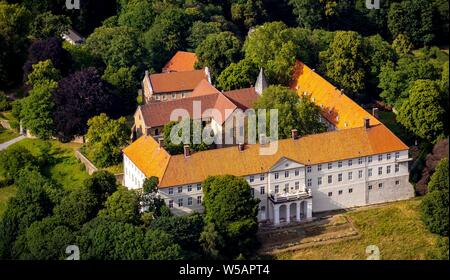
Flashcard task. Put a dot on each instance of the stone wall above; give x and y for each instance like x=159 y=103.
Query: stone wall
x=91 y=168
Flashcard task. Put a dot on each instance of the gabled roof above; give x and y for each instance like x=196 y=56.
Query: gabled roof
x=308 y=150
x=337 y=108
x=244 y=98
x=176 y=81
x=204 y=88
x=158 y=113
x=181 y=61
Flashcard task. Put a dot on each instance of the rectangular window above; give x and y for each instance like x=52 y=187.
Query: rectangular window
x=369 y=159
x=276 y=175
x=309 y=183
x=360 y=161
x=380 y=157
x=360 y=174
x=170 y=203
x=261 y=177
x=319 y=167
x=170 y=190
x=199 y=200
x=180 y=202
x=180 y=189
x=286 y=188
x=380 y=185
x=330 y=165
x=350 y=176
x=350 y=190
x=308 y=169
x=339 y=164
x=199 y=187
x=369 y=187
x=189 y=188
x=277 y=188
x=340 y=192
x=388 y=156
x=330 y=179
x=262 y=190
x=350 y=162
x=397 y=168
x=297 y=185
x=397 y=155
x=397 y=182
x=340 y=177
x=369 y=172
x=251 y=179
x=297 y=172
x=319 y=181
x=286 y=174
x=330 y=194
x=380 y=170
x=189 y=201
x=388 y=169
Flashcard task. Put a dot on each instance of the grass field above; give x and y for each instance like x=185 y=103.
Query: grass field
x=396 y=229
x=64 y=168
x=6 y=135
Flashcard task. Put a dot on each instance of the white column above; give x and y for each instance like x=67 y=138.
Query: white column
x=309 y=209
x=288 y=213
x=298 y=211
x=276 y=212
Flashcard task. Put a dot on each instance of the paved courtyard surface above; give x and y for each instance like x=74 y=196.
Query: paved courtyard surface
x=325 y=229
x=10 y=142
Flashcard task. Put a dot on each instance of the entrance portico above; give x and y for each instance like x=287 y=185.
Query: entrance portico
x=291 y=208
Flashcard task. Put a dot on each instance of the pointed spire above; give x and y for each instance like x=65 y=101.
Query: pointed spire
x=261 y=83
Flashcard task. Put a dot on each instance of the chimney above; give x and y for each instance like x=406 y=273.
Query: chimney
x=366 y=123
x=187 y=152
x=241 y=147
x=161 y=143
x=294 y=133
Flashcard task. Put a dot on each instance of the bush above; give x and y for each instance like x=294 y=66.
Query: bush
x=5 y=104
x=435 y=212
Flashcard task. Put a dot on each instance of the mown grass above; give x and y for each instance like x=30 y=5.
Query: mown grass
x=7 y=134
x=396 y=228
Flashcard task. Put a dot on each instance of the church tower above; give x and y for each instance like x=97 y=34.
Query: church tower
x=261 y=83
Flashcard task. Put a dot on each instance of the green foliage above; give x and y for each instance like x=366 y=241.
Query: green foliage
x=81 y=57
x=238 y=75
x=395 y=79
x=13 y=160
x=344 y=62
x=217 y=51
x=293 y=112
x=423 y=112
x=159 y=245
x=122 y=206
x=43 y=71
x=76 y=208
x=435 y=212
x=248 y=13
x=101 y=184
x=48 y=25
x=231 y=211
x=439 y=181
x=402 y=45
x=413 y=18
x=189 y=126
x=138 y=14
x=105 y=139
x=269 y=47
x=200 y=30
x=150 y=199
x=151 y=185
x=46 y=240
x=126 y=82
x=5 y=103
x=309 y=13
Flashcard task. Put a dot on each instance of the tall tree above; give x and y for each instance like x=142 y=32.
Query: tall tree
x=138 y=14
x=122 y=206
x=200 y=30
x=47 y=25
x=79 y=97
x=232 y=211
x=238 y=75
x=218 y=51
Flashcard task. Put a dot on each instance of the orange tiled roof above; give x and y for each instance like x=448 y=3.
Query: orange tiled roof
x=181 y=61
x=243 y=98
x=158 y=113
x=308 y=150
x=176 y=81
x=337 y=108
x=204 y=88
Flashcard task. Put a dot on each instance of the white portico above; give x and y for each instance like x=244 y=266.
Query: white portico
x=290 y=207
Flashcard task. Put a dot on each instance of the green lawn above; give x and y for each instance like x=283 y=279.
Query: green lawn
x=65 y=169
x=6 y=135
x=396 y=229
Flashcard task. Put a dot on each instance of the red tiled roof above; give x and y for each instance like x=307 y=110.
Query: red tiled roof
x=181 y=61
x=176 y=81
x=243 y=98
x=204 y=88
